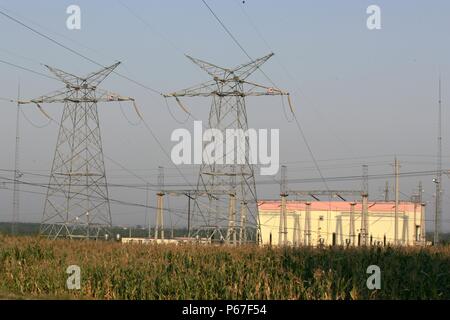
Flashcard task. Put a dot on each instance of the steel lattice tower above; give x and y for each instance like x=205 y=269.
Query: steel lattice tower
x=231 y=202
x=77 y=201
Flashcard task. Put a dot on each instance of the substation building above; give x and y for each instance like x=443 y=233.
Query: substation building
x=339 y=223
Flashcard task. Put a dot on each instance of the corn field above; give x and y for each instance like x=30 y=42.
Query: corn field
x=35 y=268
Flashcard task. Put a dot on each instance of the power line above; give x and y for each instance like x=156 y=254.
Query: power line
x=227 y=30
x=58 y=34
x=285 y=69
x=75 y=52
x=149 y=26
x=7 y=99
x=310 y=151
x=182 y=214
x=94 y=62
x=27 y=69
x=34 y=124
x=408 y=174
x=237 y=42
x=302 y=133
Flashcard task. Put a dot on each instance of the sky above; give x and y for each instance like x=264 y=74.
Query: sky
x=362 y=96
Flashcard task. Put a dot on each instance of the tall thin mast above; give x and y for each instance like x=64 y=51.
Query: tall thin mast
x=397 y=192
x=438 y=212
x=17 y=174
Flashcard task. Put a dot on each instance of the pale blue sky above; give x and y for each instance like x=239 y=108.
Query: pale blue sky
x=360 y=95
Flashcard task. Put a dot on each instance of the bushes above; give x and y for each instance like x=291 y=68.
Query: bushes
x=35 y=268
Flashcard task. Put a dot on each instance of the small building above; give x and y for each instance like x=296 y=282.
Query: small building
x=330 y=222
x=148 y=241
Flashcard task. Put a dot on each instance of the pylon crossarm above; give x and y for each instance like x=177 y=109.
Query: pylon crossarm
x=205 y=89
x=65 y=77
x=91 y=80
x=209 y=89
x=211 y=69
x=53 y=97
x=242 y=72
x=260 y=90
x=107 y=96
x=95 y=78
x=245 y=70
x=64 y=96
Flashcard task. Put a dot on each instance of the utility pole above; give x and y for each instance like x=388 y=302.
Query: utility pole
x=352 y=233
x=438 y=180
x=423 y=230
x=189 y=214
x=307 y=237
x=17 y=174
x=386 y=192
x=228 y=89
x=231 y=231
x=365 y=205
x=147 y=201
x=296 y=237
x=159 y=228
x=77 y=201
x=282 y=237
x=397 y=191
x=242 y=233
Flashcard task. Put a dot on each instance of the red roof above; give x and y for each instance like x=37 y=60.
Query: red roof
x=335 y=206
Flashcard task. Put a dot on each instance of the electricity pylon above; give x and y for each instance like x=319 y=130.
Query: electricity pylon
x=77 y=201
x=225 y=184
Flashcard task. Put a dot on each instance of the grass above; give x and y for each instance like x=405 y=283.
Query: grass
x=34 y=268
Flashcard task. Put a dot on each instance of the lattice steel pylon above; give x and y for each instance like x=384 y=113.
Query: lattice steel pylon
x=231 y=202
x=77 y=201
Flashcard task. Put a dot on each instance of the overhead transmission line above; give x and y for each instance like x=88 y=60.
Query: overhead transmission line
x=55 y=33
x=286 y=70
x=27 y=69
x=75 y=52
x=409 y=174
x=94 y=62
x=181 y=213
x=302 y=133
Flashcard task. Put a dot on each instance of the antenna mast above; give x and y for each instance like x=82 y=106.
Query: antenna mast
x=438 y=181
x=17 y=174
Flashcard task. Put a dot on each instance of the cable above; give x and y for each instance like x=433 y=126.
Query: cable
x=227 y=30
x=270 y=80
x=173 y=116
x=126 y=118
x=59 y=34
x=175 y=212
x=237 y=42
x=75 y=52
x=94 y=62
x=285 y=69
x=32 y=123
x=409 y=174
x=7 y=100
x=179 y=211
x=149 y=26
x=146 y=125
x=310 y=152
x=27 y=69
x=14 y=54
